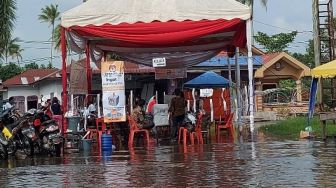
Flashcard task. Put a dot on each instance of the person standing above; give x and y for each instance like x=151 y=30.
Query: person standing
x=56 y=112
x=177 y=112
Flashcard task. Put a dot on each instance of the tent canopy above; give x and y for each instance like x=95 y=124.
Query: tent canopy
x=327 y=70
x=208 y=80
x=185 y=32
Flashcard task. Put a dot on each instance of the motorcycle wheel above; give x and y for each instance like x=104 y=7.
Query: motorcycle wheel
x=3 y=152
x=58 y=150
x=27 y=146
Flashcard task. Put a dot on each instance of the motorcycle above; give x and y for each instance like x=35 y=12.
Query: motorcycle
x=14 y=140
x=3 y=146
x=44 y=133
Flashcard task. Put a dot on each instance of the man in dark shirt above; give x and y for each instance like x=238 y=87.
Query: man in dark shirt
x=177 y=112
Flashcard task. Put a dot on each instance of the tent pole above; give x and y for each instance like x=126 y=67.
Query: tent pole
x=88 y=68
x=250 y=71
x=238 y=88
x=64 y=76
x=230 y=76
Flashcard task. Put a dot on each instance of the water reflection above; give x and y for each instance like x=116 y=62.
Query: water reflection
x=261 y=163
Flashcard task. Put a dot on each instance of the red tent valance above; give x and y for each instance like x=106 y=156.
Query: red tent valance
x=166 y=34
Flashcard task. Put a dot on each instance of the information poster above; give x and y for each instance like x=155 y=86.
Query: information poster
x=113 y=85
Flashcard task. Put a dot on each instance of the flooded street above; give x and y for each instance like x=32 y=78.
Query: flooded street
x=263 y=163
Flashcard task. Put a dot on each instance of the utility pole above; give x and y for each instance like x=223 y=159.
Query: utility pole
x=317 y=46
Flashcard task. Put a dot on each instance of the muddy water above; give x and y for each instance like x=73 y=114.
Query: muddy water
x=262 y=163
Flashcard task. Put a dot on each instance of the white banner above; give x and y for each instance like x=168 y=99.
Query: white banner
x=113 y=86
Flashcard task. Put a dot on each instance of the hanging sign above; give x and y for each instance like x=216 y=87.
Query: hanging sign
x=159 y=62
x=78 y=84
x=206 y=92
x=113 y=86
x=170 y=73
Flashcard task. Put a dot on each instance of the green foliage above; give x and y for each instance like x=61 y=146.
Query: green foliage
x=7 y=20
x=249 y=2
x=43 y=66
x=9 y=71
x=49 y=66
x=50 y=15
x=57 y=37
x=12 y=49
x=288 y=84
x=31 y=66
x=275 y=43
x=308 y=57
x=291 y=127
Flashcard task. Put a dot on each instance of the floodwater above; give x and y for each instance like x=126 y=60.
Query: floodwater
x=262 y=163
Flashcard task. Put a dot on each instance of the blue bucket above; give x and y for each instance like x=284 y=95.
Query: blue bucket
x=86 y=143
x=106 y=142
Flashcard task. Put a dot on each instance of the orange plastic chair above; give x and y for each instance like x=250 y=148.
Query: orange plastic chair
x=183 y=132
x=228 y=125
x=135 y=129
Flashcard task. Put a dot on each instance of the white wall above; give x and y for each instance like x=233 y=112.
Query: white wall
x=24 y=91
x=46 y=87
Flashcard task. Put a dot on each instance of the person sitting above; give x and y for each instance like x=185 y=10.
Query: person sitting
x=140 y=117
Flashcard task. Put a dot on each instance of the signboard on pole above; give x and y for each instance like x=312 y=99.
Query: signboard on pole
x=113 y=86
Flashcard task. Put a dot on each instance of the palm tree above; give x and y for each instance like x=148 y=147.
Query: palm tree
x=8 y=17
x=250 y=2
x=57 y=37
x=12 y=49
x=50 y=15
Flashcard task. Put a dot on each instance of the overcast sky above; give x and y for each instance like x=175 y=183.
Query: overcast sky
x=280 y=16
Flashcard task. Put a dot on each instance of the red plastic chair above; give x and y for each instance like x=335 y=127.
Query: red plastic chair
x=183 y=132
x=135 y=129
x=228 y=126
x=100 y=131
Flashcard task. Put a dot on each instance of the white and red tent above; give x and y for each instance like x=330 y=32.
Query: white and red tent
x=185 y=32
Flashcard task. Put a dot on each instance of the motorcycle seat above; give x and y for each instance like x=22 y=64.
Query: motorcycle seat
x=48 y=121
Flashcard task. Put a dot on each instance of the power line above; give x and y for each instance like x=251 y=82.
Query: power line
x=287 y=29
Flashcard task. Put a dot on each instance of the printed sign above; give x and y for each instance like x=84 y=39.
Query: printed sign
x=159 y=62
x=206 y=92
x=170 y=73
x=113 y=85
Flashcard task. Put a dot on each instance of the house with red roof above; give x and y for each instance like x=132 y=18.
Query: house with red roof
x=32 y=87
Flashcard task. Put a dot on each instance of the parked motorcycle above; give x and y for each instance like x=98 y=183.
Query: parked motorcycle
x=16 y=141
x=43 y=132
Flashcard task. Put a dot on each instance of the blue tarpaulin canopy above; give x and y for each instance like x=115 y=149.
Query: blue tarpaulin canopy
x=208 y=80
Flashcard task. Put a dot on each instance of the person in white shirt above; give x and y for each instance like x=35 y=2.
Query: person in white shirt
x=10 y=103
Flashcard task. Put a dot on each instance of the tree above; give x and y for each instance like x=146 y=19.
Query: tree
x=12 y=49
x=250 y=2
x=275 y=43
x=31 y=66
x=57 y=37
x=9 y=71
x=308 y=57
x=7 y=20
x=50 y=15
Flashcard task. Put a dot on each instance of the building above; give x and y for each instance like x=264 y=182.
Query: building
x=32 y=87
